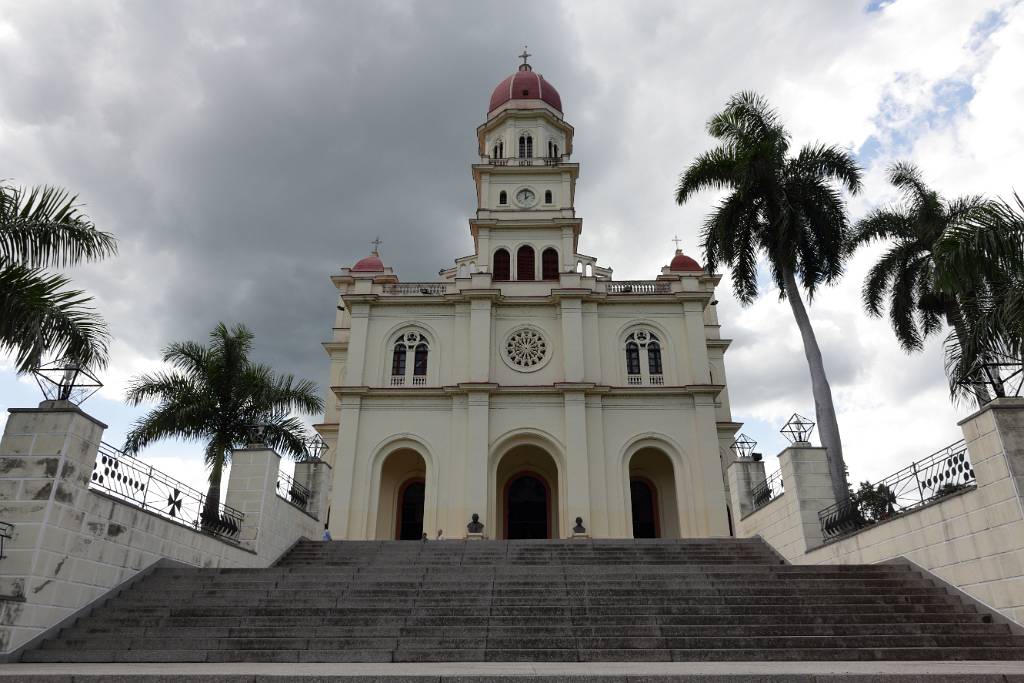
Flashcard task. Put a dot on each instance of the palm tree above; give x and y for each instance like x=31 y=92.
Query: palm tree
x=982 y=264
x=43 y=228
x=786 y=208
x=216 y=395
x=942 y=256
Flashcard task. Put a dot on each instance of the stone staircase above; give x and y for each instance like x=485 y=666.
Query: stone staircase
x=559 y=601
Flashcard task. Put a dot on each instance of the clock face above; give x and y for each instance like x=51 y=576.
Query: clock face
x=525 y=197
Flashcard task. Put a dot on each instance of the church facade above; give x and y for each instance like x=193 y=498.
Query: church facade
x=526 y=385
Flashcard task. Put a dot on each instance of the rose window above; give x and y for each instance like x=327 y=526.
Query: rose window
x=526 y=349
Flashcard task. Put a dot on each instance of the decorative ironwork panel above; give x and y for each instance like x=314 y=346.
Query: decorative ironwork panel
x=768 y=490
x=743 y=446
x=942 y=473
x=798 y=428
x=136 y=483
x=292 y=491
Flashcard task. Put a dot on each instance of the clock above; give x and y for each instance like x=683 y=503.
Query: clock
x=526 y=197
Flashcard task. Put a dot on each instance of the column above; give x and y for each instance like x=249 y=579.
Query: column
x=480 y=340
x=572 y=338
x=577 y=471
x=341 y=525
x=695 y=344
x=476 y=484
x=356 y=357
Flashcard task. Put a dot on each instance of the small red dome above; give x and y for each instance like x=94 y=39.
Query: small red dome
x=525 y=84
x=683 y=262
x=370 y=264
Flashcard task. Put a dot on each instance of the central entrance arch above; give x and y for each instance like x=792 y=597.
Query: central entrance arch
x=409 y=526
x=527 y=494
x=527 y=507
x=402 y=496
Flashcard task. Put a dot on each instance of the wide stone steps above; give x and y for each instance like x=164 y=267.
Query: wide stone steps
x=570 y=601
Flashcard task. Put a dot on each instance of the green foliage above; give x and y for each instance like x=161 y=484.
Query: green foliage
x=39 y=315
x=788 y=208
x=875 y=502
x=958 y=262
x=216 y=394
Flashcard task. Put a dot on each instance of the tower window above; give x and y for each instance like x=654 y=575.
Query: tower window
x=552 y=150
x=409 y=342
x=547 y=196
x=525 y=266
x=499 y=150
x=525 y=146
x=503 y=197
x=637 y=373
x=549 y=264
x=502 y=265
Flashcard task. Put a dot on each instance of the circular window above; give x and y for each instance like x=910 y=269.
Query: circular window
x=526 y=349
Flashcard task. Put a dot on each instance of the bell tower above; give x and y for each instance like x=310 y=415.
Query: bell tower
x=525 y=182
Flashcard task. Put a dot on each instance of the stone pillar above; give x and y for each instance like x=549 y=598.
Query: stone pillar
x=577 y=474
x=47 y=456
x=808 y=488
x=745 y=474
x=315 y=475
x=252 y=489
x=997 y=429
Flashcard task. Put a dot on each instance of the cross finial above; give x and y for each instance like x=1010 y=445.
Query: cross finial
x=376 y=244
x=677 y=241
x=526 y=55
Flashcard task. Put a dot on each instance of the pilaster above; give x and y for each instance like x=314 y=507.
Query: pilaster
x=572 y=338
x=577 y=466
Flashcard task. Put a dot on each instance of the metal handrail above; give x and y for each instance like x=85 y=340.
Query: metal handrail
x=143 y=486
x=943 y=473
x=292 y=491
x=768 y=490
x=6 y=534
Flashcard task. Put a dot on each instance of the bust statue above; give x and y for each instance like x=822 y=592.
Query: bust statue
x=475 y=526
x=579 y=528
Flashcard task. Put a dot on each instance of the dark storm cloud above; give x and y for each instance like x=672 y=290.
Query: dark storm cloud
x=243 y=153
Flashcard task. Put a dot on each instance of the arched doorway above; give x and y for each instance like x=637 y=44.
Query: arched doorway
x=527 y=507
x=409 y=525
x=652 y=492
x=644 y=499
x=400 y=503
x=526 y=481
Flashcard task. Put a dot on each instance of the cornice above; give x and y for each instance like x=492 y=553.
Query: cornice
x=495 y=389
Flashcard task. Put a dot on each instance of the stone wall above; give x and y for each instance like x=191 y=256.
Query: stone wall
x=72 y=544
x=973 y=540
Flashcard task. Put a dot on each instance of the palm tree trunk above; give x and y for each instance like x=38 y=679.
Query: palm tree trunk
x=211 y=506
x=825 y=411
x=956 y=321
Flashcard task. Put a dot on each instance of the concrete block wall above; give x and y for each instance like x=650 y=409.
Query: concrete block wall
x=71 y=544
x=973 y=540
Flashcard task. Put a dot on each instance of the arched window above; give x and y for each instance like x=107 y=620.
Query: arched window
x=503 y=197
x=549 y=264
x=502 y=265
x=639 y=342
x=525 y=266
x=552 y=150
x=632 y=359
x=525 y=146
x=419 y=366
x=547 y=196
x=498 y=152
x=589 y=270
x=579 y=267
x=398 y=361
x=409 y=342
x=654 y=358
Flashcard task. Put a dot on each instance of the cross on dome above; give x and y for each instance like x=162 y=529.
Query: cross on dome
x=677 y=241
x=376 y=244
x=525 y=66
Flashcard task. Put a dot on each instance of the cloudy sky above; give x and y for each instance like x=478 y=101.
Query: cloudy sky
x=242 y=152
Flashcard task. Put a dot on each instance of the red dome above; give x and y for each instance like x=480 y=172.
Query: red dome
x=683 y=262
x=525 y=84
x=370 y=264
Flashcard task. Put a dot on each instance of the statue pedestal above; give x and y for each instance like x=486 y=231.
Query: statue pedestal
x=470 y=536
x=580 y=535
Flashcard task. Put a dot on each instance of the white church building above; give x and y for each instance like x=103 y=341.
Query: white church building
x=526 y=385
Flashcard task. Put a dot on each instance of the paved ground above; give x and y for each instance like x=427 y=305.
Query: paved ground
x=606 y=672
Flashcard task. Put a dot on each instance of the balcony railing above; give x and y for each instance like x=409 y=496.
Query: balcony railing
x=528 y=161
x=136 y=483
x=768 y=490
x=293 y=492
x=638 y=380
x=942 y=473
x=416 y=288
x=6 y=534
x=638 y=287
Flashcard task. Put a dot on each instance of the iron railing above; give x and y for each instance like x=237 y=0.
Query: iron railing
x=941 y=474
x=417 y=288
x=638 y=287
x=6 y=533
x=292 y=491
x=136 y=483
x=768 y=490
